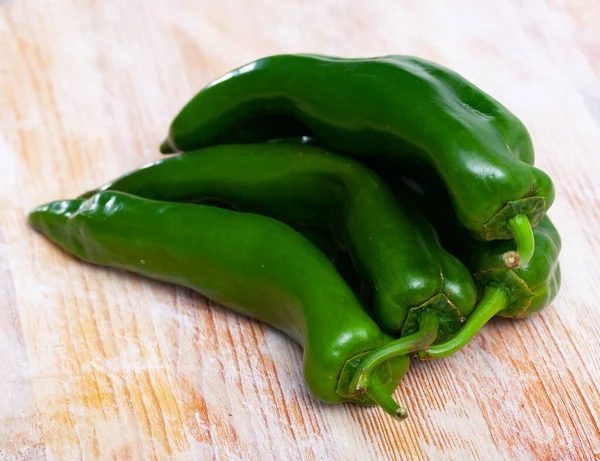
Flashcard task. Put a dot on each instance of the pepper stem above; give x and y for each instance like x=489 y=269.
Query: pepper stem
x=379 y=395
x=495 y=299
x=361 y=382
x=523 y=235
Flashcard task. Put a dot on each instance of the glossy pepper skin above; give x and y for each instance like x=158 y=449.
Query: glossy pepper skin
x=396 y=106
x=513 y=293
x=252 y=264
x=394 y=248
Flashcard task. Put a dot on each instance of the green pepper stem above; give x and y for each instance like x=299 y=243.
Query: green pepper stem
x=523 y=235
x=361 y=382
x=495 y=299
x=379 y=395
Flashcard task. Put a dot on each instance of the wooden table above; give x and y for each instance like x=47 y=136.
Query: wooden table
x=96 y=363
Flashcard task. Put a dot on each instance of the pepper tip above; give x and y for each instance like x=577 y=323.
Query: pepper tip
x=166 y=148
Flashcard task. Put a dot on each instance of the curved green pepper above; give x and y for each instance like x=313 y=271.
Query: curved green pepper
x=394 y=248
x=396 y=106
x=254 y=265
x=513 y=293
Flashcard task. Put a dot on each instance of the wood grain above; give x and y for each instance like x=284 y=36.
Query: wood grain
x=100 y=364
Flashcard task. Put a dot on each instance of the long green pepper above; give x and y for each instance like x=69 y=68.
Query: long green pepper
x=254 y=265
x=396 y=106
x=394 y=247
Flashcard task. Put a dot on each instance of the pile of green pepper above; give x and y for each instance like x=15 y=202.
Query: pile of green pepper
x=372 y=209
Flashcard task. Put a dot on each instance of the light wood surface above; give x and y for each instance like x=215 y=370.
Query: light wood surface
x=100 y=364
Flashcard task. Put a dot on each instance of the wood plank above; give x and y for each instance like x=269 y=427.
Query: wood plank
x=100 y=364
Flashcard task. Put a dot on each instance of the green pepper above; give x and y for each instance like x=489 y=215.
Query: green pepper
x=396 y=106
x=503 y=291
x=513 y=293
x=395 y=249
x=254 y=265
